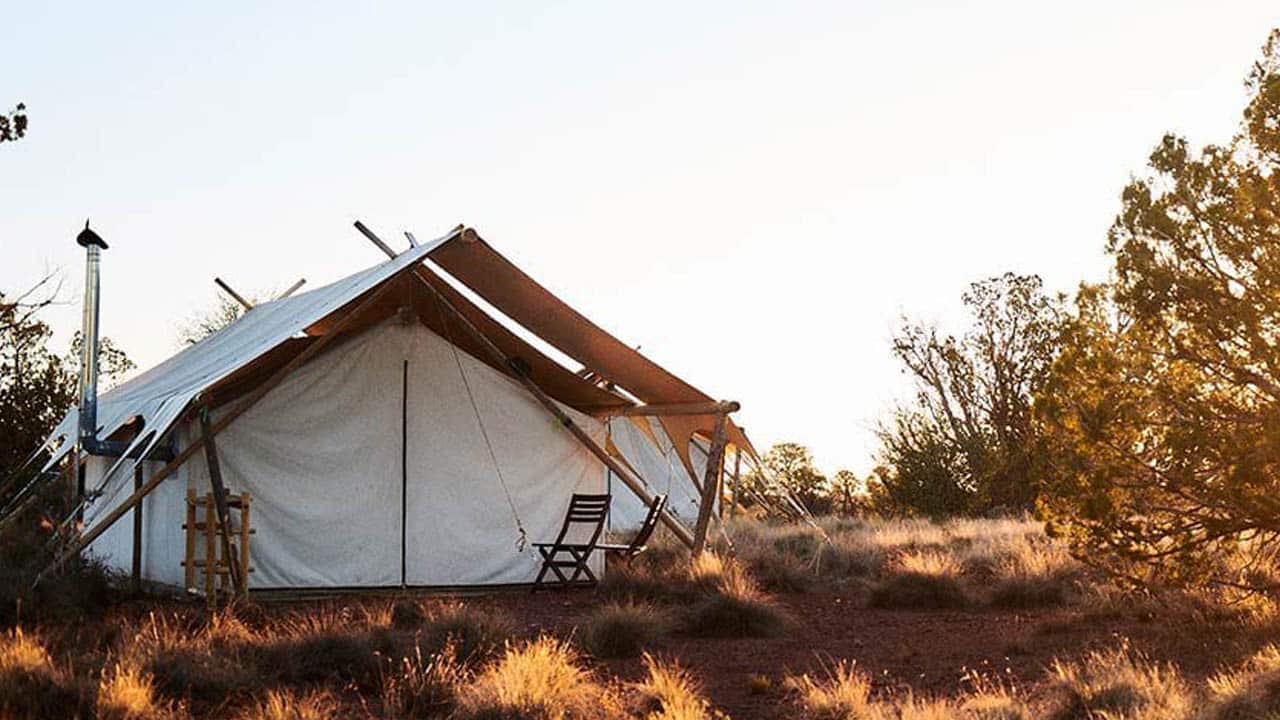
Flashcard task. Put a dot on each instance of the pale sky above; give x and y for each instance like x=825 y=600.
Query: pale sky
x=752 y=192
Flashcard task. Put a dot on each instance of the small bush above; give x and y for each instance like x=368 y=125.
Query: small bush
x=1117 y=684
x=622 y=629
x=539 y=680
x=670 y=693
x=919 y=591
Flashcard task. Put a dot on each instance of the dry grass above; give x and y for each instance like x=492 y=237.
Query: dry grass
x=539 y=680
x=419 y=688
x=668 y=692
x=289 y=705
x=127 y=692
x=1117 y=684
x=1250 y=691
x=623 y=629
x=922 y=580
x=735 y=608
x=31 y=686
x=843 y=694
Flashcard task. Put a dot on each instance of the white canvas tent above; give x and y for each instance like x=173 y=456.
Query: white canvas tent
x=393 y=433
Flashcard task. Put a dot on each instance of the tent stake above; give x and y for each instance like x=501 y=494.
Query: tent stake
x=302 y=357
x=634 y=483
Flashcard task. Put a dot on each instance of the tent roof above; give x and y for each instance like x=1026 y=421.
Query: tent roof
x=265 y=336
x=493 y=277
x=160 y=395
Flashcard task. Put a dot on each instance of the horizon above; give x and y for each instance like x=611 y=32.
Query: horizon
x=716 y=179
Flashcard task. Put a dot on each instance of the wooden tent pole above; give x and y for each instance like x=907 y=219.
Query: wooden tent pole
x=737 y=481
x=234 y=295
x=220 y=502
x=634 y=483
x=711 y=482
x=710 y=407
x=103 y=525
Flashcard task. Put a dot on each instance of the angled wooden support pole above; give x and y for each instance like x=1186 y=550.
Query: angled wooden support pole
x=633 y=482
x=711 y=482
x=220 y=503
x=236 y=411
x=292 y=289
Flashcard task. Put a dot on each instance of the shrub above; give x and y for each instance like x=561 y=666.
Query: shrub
x=844 y=694
x=622 y=629
x=539 y=680
x=668 y=692
x=735 y=609
x=1117 y=684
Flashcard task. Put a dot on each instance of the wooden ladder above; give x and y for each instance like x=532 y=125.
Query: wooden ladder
x=208 y=572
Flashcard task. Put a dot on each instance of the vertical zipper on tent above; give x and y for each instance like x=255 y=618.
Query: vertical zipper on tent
x=404 y=474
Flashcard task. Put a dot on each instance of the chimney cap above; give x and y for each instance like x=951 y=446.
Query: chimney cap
x=88 y=237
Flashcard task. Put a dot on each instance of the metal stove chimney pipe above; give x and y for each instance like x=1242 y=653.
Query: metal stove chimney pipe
x=93 y=245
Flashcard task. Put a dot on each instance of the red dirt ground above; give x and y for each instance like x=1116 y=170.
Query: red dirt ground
x=930 y=652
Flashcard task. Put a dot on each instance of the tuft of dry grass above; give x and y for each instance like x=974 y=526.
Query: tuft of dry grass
x=624 y=629
x=735 y=608
x=669 y=692
x=473 y=634
x=924 y=580
x=1250 y=691
x=843 y=694
x=289 y=705
x=419 y=688
x=127 y=692
x=31 y=686
x=1117 y=684
x=538 y=680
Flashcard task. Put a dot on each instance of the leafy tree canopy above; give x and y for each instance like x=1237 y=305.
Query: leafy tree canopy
x=1163 y=411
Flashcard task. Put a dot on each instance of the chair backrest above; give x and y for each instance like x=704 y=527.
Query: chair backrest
x=649 y=525
x=588 y=511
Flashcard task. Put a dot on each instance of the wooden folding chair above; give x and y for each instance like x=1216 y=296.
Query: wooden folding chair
x=628 y=552
x=586 y=517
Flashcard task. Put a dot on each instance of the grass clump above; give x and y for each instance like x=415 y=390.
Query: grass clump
x=735 y=608
x=925 y=580
x=289 y=705
x=31 y=686
x=419 y=688
x=538 y=680
x=472 y=634
x=1117 y=684
x=625 y=629
x=127 y=692
x=1251 y=691
x=843 y=694
x=668 y=692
